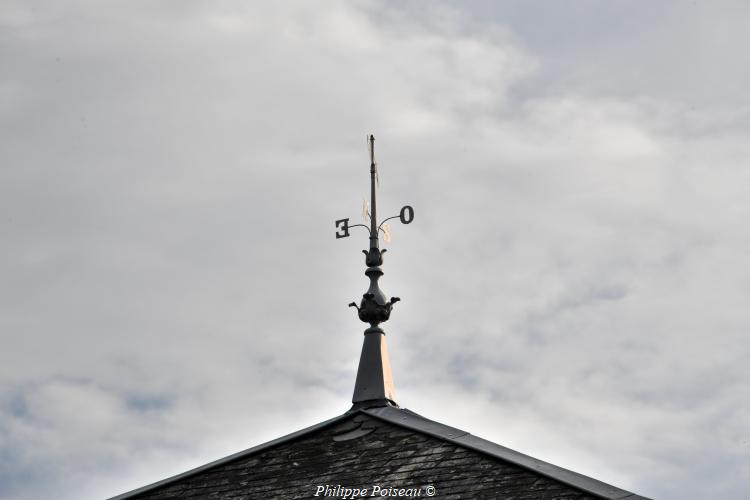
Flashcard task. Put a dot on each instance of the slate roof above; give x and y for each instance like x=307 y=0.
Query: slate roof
x=385 y=446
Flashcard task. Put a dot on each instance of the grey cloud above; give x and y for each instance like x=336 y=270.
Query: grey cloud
x=573 y=283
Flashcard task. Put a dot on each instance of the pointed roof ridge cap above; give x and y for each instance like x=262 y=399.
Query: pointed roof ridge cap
x=374 y=384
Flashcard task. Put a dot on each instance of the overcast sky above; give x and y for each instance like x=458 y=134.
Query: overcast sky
x=574 y=286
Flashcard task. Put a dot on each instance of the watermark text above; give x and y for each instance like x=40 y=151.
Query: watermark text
x=350 y=493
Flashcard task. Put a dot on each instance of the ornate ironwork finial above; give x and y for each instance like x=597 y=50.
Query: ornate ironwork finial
x=374 y=384
x=374 y=307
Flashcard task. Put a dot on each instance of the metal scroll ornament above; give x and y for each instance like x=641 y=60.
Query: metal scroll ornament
x=374 y=307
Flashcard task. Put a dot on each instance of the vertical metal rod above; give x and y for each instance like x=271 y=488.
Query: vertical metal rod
x=374 y=240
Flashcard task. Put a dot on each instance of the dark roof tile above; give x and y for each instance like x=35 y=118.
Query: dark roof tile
x=400 y=449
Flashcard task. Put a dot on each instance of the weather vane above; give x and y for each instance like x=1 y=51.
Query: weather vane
x=374 y=307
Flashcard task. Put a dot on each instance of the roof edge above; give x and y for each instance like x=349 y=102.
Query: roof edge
x=234 y=456
x=410 y=420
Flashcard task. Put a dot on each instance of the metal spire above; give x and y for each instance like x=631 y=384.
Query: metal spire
x=374 y=385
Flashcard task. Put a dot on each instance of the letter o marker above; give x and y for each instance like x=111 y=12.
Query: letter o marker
x=406 y=215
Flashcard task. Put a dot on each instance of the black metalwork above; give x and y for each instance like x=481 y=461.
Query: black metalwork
x=343 y=231
x=374 y=307
x=406 y=216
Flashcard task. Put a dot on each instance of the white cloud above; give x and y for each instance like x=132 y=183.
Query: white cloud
x=172 y=291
